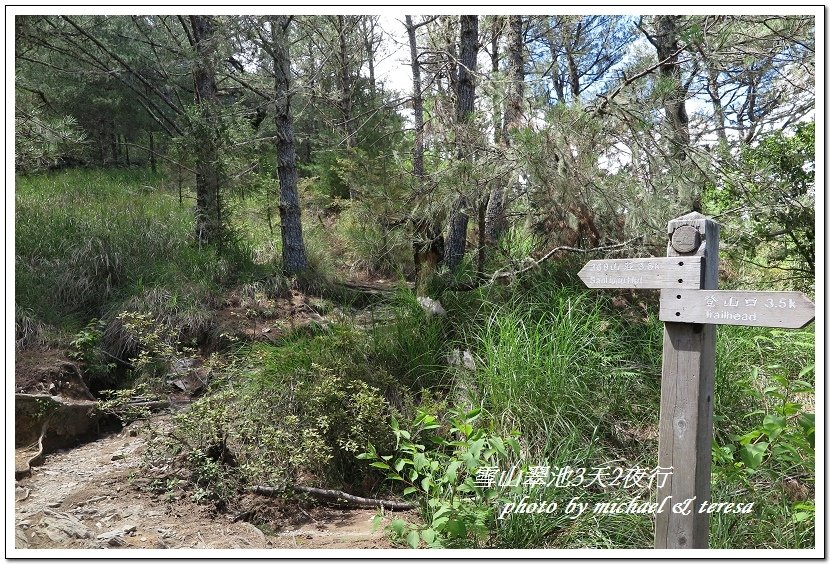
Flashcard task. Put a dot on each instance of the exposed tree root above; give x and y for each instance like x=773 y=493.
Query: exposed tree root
x=37 y=459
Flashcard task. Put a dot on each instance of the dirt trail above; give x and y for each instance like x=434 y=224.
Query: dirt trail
x=84 y=498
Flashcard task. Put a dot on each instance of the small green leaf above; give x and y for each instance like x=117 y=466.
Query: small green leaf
x=800 y=386
x=444 y=509
x=514 y=444
x=412 y=539
x=753 y=455
x=438 y=522
x=773 y=425
x=452 y=470
x=429 y=536
x=398 y=526
x=381 y=465
x=789 y=408
x=807 y=370
x=498 y=445
x=749 y=437
x=399 y=464
x=376 y=521
x=426 y=483
x=409 y=490
x=472 y=415
x=456 y=528
x=800 y=516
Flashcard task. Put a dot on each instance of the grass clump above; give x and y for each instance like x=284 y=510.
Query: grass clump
x=86 y=239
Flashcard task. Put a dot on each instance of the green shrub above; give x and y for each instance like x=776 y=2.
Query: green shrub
x=437 y=464
x=310 y=425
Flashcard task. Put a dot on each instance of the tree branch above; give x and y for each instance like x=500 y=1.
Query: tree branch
x=336 y=495
x=503 y=273
x=600 y=109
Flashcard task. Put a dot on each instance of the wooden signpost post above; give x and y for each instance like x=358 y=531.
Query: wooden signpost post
x=692 y=307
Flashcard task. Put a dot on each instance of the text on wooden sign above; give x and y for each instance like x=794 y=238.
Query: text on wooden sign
x=651 y=273
x=791 y=310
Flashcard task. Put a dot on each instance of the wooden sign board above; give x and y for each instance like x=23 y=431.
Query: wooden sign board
x=651 y=273
x=791 y=310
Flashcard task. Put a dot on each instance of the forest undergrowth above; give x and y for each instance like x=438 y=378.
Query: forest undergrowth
x=533 y=380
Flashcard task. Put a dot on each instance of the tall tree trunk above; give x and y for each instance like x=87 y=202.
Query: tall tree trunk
x=717 y=104
x=345 y=79
x=152 y=152
x=291 y=229
x=208 y=203
x=427 y=236
x=495 y=60
x=417 y=106
x=368 y=24
x=457 y=236
x=512 y=118
x=674 y=104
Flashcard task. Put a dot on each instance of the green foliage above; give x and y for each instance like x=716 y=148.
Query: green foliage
x=42 y=142
x=377 y=248
x=548 y=342
x=85 y=347
x=82 y=244
x=764 y=447
x=413 y=346
x=234 y=434
x=156 y=347
x=770 y=204
x=28 y=330
x=436 y=462
x=121 y=403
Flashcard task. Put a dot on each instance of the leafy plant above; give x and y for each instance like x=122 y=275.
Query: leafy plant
x=119 y=403
x=785 y=435
x=85 y=347
x=456 y=512
x=157 y=347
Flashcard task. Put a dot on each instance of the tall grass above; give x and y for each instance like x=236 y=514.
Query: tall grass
x=413 y=347
x=580 y=381
x=85 y=239
x=554 y=364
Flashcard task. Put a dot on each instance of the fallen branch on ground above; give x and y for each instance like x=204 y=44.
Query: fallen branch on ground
x=337 y=495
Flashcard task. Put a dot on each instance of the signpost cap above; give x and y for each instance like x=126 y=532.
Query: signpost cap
x=689 y=219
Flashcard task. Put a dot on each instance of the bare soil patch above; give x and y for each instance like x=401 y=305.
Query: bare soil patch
x=86 y=498
x=44 y=370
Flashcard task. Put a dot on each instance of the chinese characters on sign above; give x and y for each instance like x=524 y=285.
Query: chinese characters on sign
x=761 y=309
x=568 y=476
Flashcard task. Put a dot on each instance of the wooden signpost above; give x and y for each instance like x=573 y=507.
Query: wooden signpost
x=692 y=307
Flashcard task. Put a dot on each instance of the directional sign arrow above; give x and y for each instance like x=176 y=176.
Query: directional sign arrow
x=791 y=310
x=651 y=273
